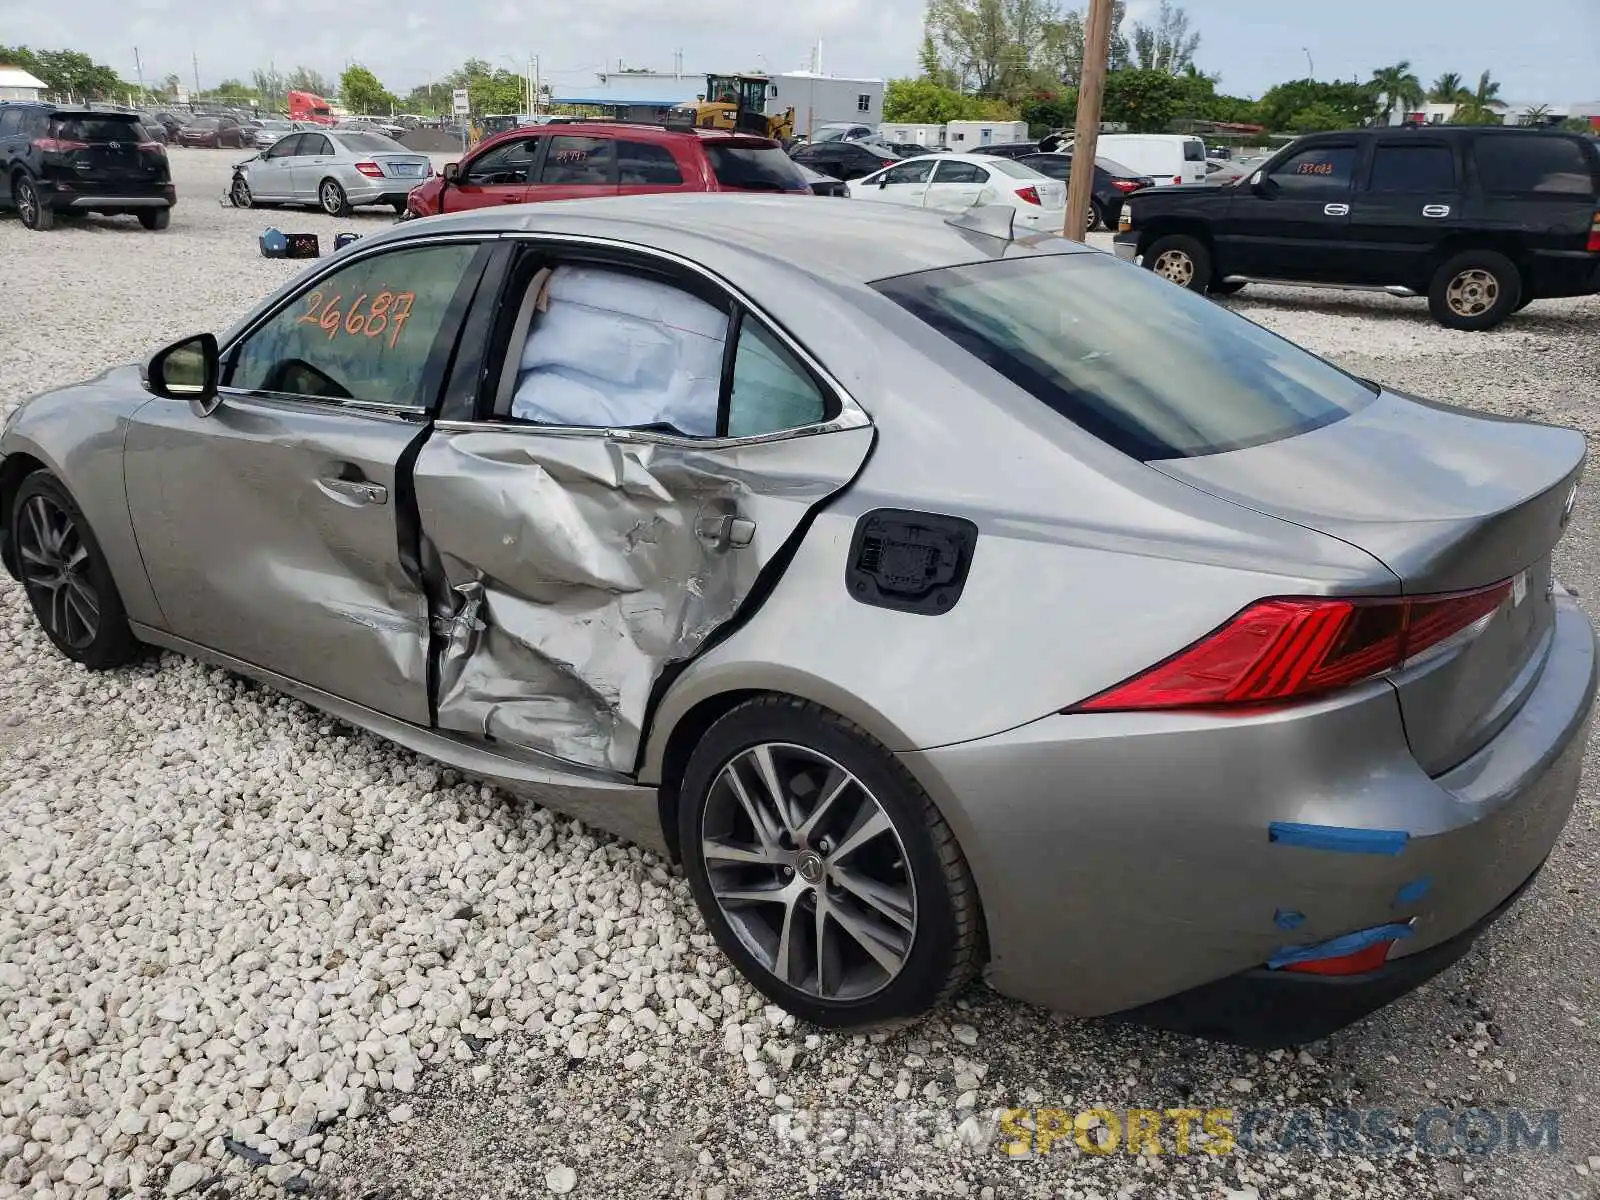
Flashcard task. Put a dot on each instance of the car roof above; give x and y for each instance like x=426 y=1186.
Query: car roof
x=633 y=130
x=860 y=243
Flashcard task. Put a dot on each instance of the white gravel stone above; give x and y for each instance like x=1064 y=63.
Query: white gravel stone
x=185 y=1176
x=561 y=1180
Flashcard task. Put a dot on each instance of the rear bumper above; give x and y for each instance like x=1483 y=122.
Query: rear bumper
x=67 y=197
x=1126 y=251
x=377 y=191
x=1553 y=274
x=1126 y=858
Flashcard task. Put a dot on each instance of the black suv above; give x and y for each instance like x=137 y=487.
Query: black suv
x=68 y=160
x=846 y=160
x=1481 y=220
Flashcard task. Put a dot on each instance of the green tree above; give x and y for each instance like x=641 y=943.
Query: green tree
x=66 y=73
x=1355 y=103
x=271 y=89
x=21 y=56
x=994 y=48
x=304 y=79
x=1397 y=85
x=1316 y=118
x=1146 y=101
x=361 y=92
x=923 y=102
x=489 y=90
x=1046 y=112
x=1167 y=45
x=1481 y=106
x=1535 y=114
x=1448 y=89
x=430 y=100
x=230 y=90
x=1061 y=52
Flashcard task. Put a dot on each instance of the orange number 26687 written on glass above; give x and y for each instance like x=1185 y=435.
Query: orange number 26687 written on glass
x=387 y=311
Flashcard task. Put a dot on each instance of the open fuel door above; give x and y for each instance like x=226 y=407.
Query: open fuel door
x=646 y=450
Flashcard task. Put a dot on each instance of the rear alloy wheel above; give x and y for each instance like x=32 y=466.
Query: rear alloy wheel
x=1475 y=291
x=66 y=577
x=31 y=208
x=240 y=193
x=822 y=868
x=1182 y=260
x=155 y=218
x=332 y=198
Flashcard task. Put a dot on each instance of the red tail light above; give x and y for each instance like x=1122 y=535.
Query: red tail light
x=1125 y=185
x=151 y=148
x=58 y=145
x=1177 y=179
x=1029 y=194
x=370 y=170
x=1594 y=235
x=889 y=162
x=1294 y=648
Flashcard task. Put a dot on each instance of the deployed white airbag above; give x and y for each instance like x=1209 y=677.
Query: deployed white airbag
x=613 y=350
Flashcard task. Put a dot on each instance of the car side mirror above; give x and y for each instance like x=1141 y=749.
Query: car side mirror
x=187 y=370
x=1261 y=185
x=452 y=172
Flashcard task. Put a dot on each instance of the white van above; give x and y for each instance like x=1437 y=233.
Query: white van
x=1167 y=158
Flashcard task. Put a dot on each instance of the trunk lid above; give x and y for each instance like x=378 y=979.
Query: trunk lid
x=410 y=167
x=1448 y=501
x=101 y=148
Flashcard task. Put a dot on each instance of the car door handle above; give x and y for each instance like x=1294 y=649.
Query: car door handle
x=1436 y=210
x=1336 y=210
x=726 y=531
x=359 y=490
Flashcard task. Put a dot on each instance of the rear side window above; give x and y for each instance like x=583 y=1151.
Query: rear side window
x=10 y=120
x=1540 y=165
x=1194 y=151
x=951 y=171
x=1153 y=370
x=97 y=129
x=754 y=168
x=1400 y=168
x=580 y=160
x=315 y=143
x=640 y=163
x=1317 y=170
x=1009 y=166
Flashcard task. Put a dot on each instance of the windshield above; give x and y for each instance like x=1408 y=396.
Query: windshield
x=98 y=129
x=372 y=143
x=1155 y=370
x=1011 y=167
x=755 y=168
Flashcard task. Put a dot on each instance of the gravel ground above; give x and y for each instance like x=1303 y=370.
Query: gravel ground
x=246 y=950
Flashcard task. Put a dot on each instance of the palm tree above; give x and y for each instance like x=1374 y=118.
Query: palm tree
x=1479 y=107
x=1399 y=86
x=1536 y=114
x=1448 y=89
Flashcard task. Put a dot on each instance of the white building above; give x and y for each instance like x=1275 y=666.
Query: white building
x=971 y=136
x=17 y=84
x=825 y=100
x=930 y=136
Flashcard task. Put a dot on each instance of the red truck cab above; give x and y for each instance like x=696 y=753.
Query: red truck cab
x=304 y=106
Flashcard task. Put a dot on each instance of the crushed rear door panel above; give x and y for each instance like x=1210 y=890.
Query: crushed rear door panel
x=577 y=567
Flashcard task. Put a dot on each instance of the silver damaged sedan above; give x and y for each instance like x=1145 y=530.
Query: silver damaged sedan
x=334 y=170
x=942 y=601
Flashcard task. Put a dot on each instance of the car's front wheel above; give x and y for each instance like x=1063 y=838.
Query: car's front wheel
x=1180 y=259
x=1475 y=290
x=823 y=869
x=240 y=192
x=332 y=198
x=66 y=576
x=31 y=207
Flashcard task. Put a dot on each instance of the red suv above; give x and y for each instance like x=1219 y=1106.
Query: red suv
x=568 y=162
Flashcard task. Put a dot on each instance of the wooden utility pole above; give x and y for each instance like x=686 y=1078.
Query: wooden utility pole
x=1086 y=135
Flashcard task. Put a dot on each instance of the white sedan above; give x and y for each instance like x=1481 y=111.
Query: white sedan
x=954 y=182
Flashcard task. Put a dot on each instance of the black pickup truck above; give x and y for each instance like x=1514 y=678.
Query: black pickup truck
x=1481 y=220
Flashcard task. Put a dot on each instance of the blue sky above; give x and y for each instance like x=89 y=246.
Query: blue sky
x=1541 y=50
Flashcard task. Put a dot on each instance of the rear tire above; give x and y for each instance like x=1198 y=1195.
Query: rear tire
x=1475 y=290
x=924 y=908
x=331 y=198
x=1180 y=259
x=399 y=206
x=155 y=218
x=66 y=577
x=31 y=206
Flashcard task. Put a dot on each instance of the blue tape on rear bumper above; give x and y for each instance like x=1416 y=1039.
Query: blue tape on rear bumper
x=1350 y=943
x=1413 y=891
x=1338 y=838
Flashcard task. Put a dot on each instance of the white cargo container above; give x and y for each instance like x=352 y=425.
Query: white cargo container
x=970 y=137
x=931 y=136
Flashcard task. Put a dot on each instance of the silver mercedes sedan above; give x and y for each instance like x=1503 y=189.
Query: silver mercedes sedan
x=334 y=170
x=942 y=600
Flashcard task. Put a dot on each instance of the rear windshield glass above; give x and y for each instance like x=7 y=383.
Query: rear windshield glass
x=1011 y=167
x=757 y=168
x=1115 y=168
x=1153 y=369
x=372 y=143
x=1194 y=152
x=98 y=129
